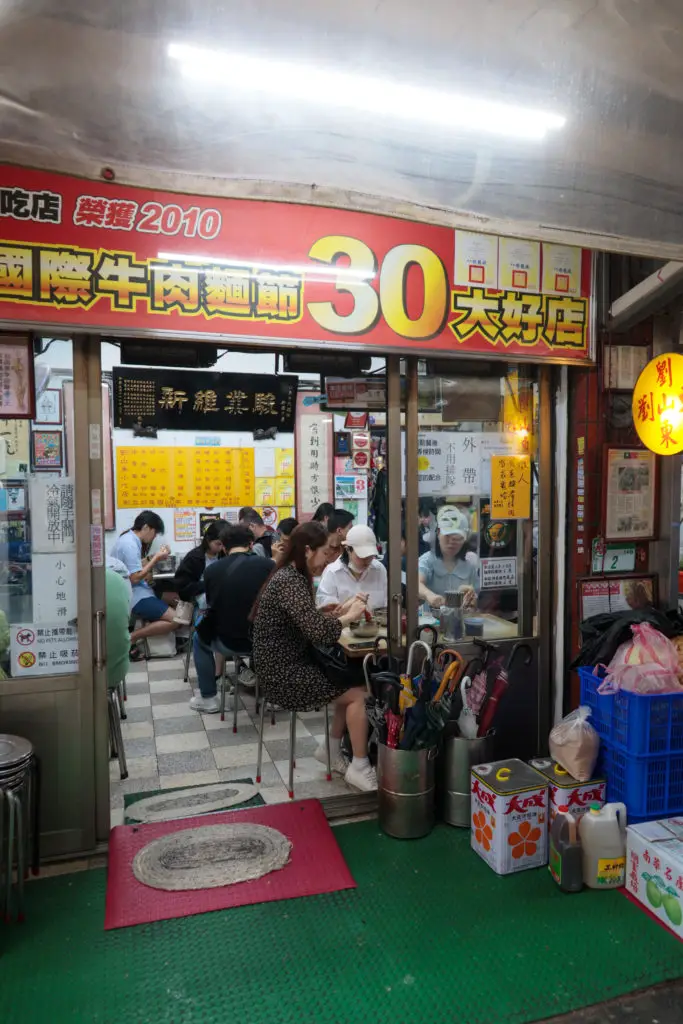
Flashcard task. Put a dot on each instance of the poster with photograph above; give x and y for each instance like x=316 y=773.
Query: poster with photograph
x=628 y=593
x=47 y=449
x=630 y=494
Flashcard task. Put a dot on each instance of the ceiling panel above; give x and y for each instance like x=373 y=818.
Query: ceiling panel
x=419 y=109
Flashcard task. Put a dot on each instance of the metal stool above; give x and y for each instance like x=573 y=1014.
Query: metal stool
x=292 y=746
x=190 y=642
x=19 y=819
x=238 y=658
x=115 y=711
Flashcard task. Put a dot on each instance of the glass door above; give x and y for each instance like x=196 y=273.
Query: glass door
x=476 y=487
x=48 y=691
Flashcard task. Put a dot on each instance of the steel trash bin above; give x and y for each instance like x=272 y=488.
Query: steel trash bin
x=406 y=792
x=458 y=757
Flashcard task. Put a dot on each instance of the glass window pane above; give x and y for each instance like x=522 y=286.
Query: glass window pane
x=477 y=485
x=38 y=596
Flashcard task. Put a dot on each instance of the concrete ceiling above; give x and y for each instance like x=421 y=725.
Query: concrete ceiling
x=86 y=84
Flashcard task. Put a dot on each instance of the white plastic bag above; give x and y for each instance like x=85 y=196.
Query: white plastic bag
x=184 y=611
x=648 y=663
x=574 y=744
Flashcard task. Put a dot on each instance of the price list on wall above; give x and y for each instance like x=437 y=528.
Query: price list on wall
x=167 y=477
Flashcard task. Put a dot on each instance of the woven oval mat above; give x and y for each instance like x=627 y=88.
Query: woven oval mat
x=188 y=802
x=211 y=856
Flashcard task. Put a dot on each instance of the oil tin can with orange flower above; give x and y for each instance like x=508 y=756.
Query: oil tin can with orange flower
x=509 y=816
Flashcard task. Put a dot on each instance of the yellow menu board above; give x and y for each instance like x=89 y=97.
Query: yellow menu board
x=510 y=486
x=191 y=477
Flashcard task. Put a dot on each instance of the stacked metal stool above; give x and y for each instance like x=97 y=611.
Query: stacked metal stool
x=19 y=821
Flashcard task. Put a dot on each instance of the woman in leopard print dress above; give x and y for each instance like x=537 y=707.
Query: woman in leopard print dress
x=286 y=626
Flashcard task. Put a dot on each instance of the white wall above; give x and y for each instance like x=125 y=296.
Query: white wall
x=180 y=439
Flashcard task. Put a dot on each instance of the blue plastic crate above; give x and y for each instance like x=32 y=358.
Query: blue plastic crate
x=651 y=787
x=638 y=723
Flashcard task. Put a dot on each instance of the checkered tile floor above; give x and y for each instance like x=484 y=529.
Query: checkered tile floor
x=168 y=745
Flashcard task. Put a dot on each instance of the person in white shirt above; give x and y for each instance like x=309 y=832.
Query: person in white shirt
x=357 y=572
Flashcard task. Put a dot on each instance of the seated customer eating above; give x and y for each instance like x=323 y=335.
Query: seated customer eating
x=189 y=578
x=232 y=586
x=131 y=549
x=357 y=571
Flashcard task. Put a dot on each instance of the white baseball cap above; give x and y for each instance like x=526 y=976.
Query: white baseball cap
x=362 y=540
x=451 y=521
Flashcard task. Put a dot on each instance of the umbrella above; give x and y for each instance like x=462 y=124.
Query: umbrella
x=500 y=685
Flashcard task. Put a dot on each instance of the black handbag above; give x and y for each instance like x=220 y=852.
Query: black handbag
x=331 y=658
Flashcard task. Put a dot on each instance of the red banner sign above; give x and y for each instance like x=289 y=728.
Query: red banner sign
x=106 y=256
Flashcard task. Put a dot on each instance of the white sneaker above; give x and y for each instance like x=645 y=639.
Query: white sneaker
x=247 y=678
x=207 y=705
x=339 y=765
x=364 y=779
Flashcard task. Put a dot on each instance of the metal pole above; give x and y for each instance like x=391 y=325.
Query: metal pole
x=411 y=501
x=394 y=495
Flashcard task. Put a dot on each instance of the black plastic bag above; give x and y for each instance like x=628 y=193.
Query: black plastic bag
x=601 y=635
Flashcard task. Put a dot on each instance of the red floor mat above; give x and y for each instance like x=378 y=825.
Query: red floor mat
x=316 y=866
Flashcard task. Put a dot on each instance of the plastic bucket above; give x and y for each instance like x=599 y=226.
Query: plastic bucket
x=406 y=792
x=458 y=758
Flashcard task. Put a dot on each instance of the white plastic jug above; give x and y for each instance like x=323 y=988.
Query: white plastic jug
x=603 y=843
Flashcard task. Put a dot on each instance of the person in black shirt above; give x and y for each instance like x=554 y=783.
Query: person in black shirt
x=262 y=536
x=189 y=577
x=323 y=513
x=232 y=586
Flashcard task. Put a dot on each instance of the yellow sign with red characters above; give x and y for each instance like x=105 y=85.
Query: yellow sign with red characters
x=658 y=404
x=510 y=487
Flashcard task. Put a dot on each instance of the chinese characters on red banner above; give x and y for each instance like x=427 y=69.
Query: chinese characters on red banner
x=503 y=317
x=106 y=256
x=67 y=276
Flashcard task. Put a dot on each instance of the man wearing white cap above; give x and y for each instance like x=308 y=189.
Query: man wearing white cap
x=446 y=569
x=357 y=572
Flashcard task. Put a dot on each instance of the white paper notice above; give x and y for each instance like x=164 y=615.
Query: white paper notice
x=519 y=265
x=561 y=269
x=463 y=464
x=454 y=463
x=43 y=650
x=52 y=504
x=54 y=588
x=264 y=461
x=476 y=260
x=498 y=572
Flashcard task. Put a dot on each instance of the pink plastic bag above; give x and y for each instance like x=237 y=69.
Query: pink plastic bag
x=646 y=664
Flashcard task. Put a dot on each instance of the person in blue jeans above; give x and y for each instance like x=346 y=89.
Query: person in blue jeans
x=232 y=585
x=130 y=549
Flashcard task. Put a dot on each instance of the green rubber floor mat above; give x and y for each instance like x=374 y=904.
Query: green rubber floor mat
x=430 y=936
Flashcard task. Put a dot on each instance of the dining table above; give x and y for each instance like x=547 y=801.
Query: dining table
x=495 y=628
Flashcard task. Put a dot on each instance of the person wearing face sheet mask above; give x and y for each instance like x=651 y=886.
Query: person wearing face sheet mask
x=287 y=625
x=446 y=569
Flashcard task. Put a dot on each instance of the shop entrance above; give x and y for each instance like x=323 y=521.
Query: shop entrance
x=421 y=452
